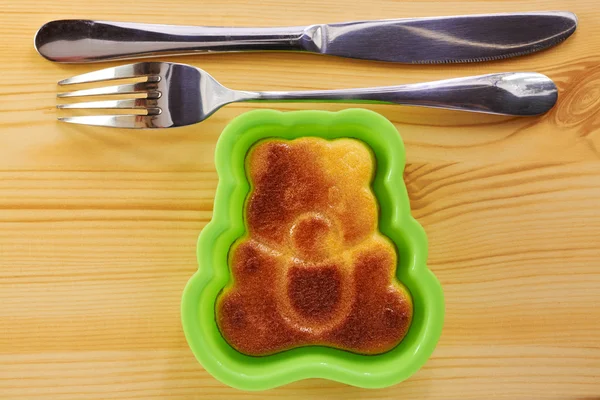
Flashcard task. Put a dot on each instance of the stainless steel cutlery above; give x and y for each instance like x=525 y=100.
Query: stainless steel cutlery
x=172 y=95
x=169 y=95
x=451 y=39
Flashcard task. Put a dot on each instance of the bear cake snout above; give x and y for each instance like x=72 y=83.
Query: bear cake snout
x=314 y=237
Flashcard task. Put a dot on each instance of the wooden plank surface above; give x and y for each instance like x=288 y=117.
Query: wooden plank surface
x=98 y=227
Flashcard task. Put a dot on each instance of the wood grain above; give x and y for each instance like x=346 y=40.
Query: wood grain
x=98 y=227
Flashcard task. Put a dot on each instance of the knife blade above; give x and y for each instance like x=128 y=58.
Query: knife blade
x=451 y=39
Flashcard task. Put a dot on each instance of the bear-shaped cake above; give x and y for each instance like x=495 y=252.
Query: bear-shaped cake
x=313 y=268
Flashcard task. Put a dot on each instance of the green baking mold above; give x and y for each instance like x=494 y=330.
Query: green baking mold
x=339 y=345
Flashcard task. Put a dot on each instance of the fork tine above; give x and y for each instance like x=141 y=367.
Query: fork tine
x=130 y=88
x=121 y=72
x=129 y=104
x=114 y=121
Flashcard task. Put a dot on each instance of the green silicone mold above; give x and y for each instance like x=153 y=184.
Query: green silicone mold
x=227 y=225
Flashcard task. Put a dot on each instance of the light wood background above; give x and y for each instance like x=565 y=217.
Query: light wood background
x=98 y=226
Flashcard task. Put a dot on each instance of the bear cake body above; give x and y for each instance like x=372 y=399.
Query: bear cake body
x=313 y=268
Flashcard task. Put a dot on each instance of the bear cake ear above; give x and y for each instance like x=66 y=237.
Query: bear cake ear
x=260 y=157
x=352 y=159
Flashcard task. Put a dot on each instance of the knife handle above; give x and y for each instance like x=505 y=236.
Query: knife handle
x=70 y=41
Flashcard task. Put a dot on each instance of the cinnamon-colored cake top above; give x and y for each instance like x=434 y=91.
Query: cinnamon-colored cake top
x=313 y=268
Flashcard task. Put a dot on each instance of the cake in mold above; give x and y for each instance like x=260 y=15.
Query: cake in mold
x=313 y=267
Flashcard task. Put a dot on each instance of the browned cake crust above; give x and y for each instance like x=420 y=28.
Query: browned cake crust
x=313 y=268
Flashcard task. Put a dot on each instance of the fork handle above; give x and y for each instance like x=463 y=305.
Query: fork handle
x=506 y=93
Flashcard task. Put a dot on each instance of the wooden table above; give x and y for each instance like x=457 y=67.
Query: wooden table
x=98 y=226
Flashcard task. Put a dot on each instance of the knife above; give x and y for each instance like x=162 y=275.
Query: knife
x=452 y=39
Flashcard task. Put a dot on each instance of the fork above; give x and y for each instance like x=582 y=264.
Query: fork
x=171 y=95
